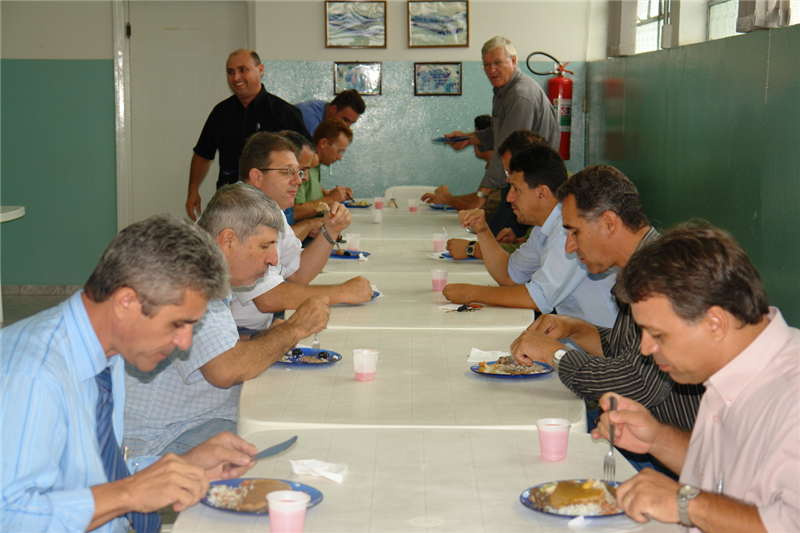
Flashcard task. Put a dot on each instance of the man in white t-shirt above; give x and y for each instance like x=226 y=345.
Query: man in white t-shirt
x=269 y=162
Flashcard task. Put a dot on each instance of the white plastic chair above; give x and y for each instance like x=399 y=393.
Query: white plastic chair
x=402 y=193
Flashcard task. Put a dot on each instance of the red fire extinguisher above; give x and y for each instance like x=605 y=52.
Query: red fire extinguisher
x=559 y=91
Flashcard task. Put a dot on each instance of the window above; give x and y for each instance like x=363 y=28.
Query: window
x=722 y=15
x=649 y=20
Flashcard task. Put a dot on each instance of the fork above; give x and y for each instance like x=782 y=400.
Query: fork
x=609 y=463
x=315 y=346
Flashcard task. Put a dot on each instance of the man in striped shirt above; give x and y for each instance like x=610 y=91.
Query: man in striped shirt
x=606 y=225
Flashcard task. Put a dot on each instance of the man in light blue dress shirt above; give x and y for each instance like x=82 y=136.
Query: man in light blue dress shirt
x=540 y=275
x=347 y=105
x=152 y=284
x=194 y=393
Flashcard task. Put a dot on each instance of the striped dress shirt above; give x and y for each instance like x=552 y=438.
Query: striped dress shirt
x=50 y=452
x=626 y=371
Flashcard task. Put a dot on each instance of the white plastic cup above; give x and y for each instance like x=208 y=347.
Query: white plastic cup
x=287 y=511
x=553 y=438
x=353 y=240
x=379 y=202
x=438 y=279
x=439 y=242
x=413 y=205
x=365 y=363
x=377 y=216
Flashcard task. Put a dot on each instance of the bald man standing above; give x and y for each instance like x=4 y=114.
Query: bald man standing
x=251 y=109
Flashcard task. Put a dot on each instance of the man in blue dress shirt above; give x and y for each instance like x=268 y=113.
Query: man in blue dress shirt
x=347 y=106
x=152 y=284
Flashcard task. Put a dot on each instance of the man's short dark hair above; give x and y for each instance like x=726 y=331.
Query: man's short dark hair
x=483 y=122
x=256 y=59
x=159 y=258
x=349 y=98
x=330 y=129
x=299 y=142
x=541 y=165
x=695 y=266
x=520 y=140
x=601 y=188
x=258 y=150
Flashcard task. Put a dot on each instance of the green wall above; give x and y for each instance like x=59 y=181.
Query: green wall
x=58 y=160
x=712 y=131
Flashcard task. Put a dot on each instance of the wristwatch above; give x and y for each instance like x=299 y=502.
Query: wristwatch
x=557 y=355
x=480 y=194
x=685 y=494
x=470 y=249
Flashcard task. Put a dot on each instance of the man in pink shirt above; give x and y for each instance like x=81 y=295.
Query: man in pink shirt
x=705 y=319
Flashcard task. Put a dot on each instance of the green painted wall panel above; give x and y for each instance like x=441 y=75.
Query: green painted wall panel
x=712 y=131
x=58 y=160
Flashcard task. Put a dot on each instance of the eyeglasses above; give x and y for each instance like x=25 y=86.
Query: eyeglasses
x=288 y=172
x=495 y=64
x=508 y=174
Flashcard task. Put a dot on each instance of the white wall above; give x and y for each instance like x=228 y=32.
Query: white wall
x=56 y=30
x=568 y=30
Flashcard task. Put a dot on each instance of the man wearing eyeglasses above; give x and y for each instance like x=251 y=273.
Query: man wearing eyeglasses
x=519 y=103
x=270 y=163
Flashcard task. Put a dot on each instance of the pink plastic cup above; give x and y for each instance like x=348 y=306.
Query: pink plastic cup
x=287 y=511
x=379 y=201
x=365 y=363
x=439 y=242
x=553 y=438
x=438 y=279
x=413 y=205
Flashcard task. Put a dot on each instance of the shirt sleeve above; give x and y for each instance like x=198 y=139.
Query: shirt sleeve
x=206 y=146
x=34 y=436
x=627 y=373
x=262 y=286
x=214 y=334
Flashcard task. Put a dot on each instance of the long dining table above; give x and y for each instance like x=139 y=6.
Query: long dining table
x=430 y=444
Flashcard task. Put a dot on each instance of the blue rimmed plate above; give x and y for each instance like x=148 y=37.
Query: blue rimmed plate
x=442 y=207
x=316 y=495
x=449 y=257
x=547 y=370
x=444 y=140
x=354 y=205
x=353 y=254
x=524 y=498
x=295 y=360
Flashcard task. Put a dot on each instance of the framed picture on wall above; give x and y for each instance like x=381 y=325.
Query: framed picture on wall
x=355 y=24
x=438 y=24
x=437 y=79
x=363 y=77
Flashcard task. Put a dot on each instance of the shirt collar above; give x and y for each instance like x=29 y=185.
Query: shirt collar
x=87 y=355
x=734 y=378
x=504 y=90
x=553 y=223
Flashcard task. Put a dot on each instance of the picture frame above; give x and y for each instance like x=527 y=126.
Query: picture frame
x=359 y=24
x=437 y=79
x=364 y=77
x=443 y=24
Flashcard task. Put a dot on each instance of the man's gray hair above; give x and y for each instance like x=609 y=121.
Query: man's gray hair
x=242 y=208
x=497 y=42
x=160 y=258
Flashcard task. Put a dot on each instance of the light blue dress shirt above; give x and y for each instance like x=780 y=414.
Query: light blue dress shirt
x=557 y=280
x=50 y=455
x=175 y=397
x=313 y=113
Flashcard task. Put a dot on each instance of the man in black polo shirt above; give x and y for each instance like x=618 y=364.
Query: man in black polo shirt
x=251 y=109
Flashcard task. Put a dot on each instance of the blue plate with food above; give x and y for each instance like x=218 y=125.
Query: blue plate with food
x=445 y=140
x=570 y=498
x=448 y=256
x=505 y=367
x=352 y=204
x=249 y=495
x=442 y=207
x=303 y=356
x=348 y=254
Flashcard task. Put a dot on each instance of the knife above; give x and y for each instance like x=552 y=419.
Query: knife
x=275 y=450
x=611 y=488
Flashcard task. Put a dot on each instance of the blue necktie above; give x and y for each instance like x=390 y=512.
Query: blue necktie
x=113 y=462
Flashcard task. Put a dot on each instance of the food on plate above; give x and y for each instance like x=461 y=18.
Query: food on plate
x=296 y=355
x=297 y=352
x=250 y=496
x=323 y=355
x=575 y=498
x=342 y=252
x=321 y=207
x=362 y=203
x=506 y=366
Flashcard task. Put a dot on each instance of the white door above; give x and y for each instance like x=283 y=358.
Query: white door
x=177 y=75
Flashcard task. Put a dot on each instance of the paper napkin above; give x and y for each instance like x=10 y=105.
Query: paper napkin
x=314 y=467
x=608 y=524
x=476 y=356
x=362 y=257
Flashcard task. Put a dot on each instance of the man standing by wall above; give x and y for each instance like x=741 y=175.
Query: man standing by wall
x=347 y=106
x=519 y=103
x=234 y=120
x=63 y=389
